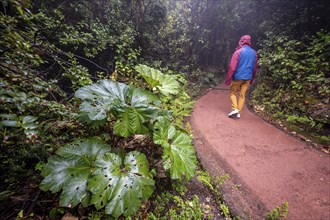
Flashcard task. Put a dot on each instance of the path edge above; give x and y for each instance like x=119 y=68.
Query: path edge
x=241 y=200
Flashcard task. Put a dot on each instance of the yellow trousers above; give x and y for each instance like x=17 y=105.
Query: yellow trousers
x=241 y=86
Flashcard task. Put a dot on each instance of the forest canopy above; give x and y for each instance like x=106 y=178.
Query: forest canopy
x=87 y=84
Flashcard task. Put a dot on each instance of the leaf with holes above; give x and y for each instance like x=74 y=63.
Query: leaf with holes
x=121 y=185
x=179 y=154
x=70 y=169
x=88 y=173
x=158 y=80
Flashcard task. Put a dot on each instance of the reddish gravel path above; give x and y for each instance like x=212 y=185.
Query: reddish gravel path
x=266 y=165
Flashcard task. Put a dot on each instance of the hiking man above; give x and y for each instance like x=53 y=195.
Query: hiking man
x=241 y=72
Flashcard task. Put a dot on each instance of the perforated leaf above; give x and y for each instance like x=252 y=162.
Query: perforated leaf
x=88 y=173
x=179 y=154
x=70 y=169
x=120 y=186
x=158 y=80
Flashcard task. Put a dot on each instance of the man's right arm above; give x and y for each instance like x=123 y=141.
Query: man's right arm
x=232 y=66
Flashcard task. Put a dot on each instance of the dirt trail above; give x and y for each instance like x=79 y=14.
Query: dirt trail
x=266 y=165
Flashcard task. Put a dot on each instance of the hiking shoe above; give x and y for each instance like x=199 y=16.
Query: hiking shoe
x=233 y=113
x=238 y=116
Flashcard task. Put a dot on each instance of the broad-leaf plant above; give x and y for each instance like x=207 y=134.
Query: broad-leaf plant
x=157 y=80
x=92 y=171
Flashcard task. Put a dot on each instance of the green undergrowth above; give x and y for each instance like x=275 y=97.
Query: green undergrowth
x=196 y=199
x=202 y=80
x=278 y=213
x=293 y=84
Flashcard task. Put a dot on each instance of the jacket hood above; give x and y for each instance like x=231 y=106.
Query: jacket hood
x=245 y=40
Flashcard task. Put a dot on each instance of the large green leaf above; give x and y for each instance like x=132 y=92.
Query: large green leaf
x=137 y=97
x=120 y=186
x=169 y=85
x=70 y=169
x=133 y=115
x=106 y=90
x=96 y=110
x=83 y=117
x=164 y=131
x=107 y=96
x=100 y=98
x=132 y=120
x=157 y=80
x=88 y=173
x=150 y=75
x=179 y=154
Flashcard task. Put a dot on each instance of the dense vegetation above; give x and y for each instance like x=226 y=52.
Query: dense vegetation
x=295 y=83
x=99 y=90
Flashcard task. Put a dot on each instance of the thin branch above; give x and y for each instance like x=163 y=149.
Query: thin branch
x=34 y=201
x=75 y=55
x=88 y=60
